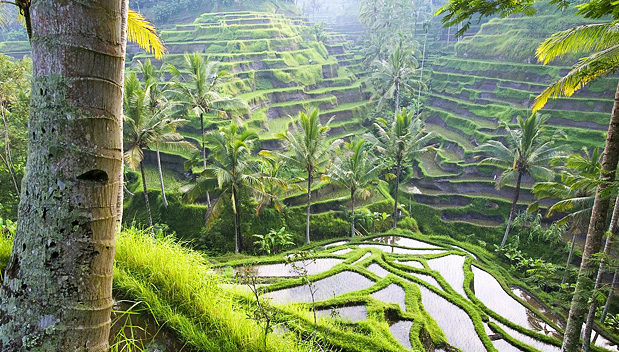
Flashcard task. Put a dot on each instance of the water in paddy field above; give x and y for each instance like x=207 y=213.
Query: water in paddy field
x=451 y=269
x=392 y=294
x=362 y=258
x=353 y=314
x=334 y=244
x=455 y=323
x=427 y=278
x=342 y=251
x=326 y=288
x=401 y=332
x=491 y=294
x=402 y=241
x=378 y=270
x=411 y=263
x=285 y=269
x=398 y=250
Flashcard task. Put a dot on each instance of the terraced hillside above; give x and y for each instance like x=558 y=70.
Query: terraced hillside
x=477 y=83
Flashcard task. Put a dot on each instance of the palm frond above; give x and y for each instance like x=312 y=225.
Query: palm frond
x=142 y=32
x=585 y=71
x=583 y=38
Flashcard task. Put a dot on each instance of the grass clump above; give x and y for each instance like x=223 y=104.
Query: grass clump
x=187 y=295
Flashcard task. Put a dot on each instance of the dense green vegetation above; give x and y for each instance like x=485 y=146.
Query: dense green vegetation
x=224 y=138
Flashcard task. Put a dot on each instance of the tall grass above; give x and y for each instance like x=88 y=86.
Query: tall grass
x=183 y=292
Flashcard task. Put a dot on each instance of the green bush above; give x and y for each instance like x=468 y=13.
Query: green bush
x=408 y=224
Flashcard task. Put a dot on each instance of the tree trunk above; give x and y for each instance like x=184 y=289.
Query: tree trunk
x=163 y=198
x=309 y=202
x=238 y=241
x=423 y=57
x=584 y=283
x=395 y=200
x=512 y=210
x=569 y=260
x=146 y=202
x=203 y=146
x=57 y=289
x=612 y=229
x=352 y=213
x=397 y=98
x=608 y=299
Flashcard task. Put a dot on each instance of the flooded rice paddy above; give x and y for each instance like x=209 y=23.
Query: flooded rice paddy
x=445 y=308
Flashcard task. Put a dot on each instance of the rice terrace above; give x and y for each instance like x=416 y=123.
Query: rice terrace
x=309 y=175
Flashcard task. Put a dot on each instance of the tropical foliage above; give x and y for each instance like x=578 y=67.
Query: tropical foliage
x=527 y=153
x=401 y=143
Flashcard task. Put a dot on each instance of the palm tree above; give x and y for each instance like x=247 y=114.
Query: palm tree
x=576 y=191
x=394 y=75
x=232 y=171
x=275 y=187
x=309 y=151
x=156 y=100
x=528 y=154
x=199 y=89
x=144 y=129
x=603 y=39
x=402 y=143
x=356 y=170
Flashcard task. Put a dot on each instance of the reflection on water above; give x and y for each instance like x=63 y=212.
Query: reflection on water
x=537 y=305
x=462 y=249
x=542 y=346
x=342 y=251
x=455 y=323
x=450 y=268
x=362 y=258
x=401 y=332
x=338 y=243
x=285 y=269
x=354 y=313
x=504 y=346
x=398 y=250
x=491 y=294
x=412 y=263
x=326 y=288
x=403 y=241
x=378 y=270
x=427 y=278
x=392 y=294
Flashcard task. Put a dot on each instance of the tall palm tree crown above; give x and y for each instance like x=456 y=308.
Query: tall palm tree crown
x=527 y=153
x=199 y=89
x=145 y=129
x=232 y=170
x=356 y=169
x=309 y=150
x=402 y=142
x=394 y=75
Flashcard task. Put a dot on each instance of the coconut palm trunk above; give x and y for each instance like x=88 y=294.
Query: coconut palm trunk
x=593 y=243
x=569 y=259
x=512 y=210
x=612 y=229
x=163 y=198
x=608 y=300
x=309 y=203
x=397 y=98
x=146 y=202
x=397 y=190
x=202 y=134
x=352 y=213
x=238 y=240
x=57 y=288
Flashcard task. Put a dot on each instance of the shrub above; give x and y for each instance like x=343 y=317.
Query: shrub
x=408 y=224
